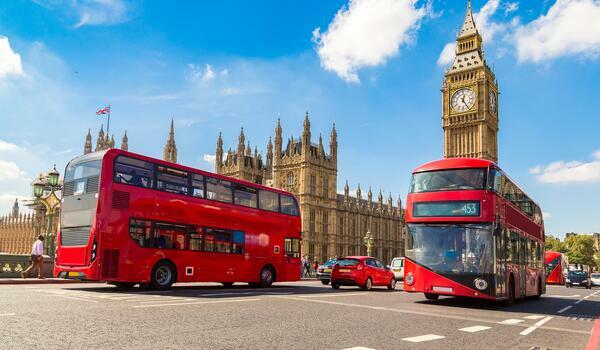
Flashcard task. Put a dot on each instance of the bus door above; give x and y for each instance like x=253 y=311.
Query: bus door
x=522 y=266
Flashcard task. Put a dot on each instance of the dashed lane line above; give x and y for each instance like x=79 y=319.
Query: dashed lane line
x=422 y=338
x=474 y=329
x=511 y=321
x=359 y=348
x=564 y=309
x=329 y=295
x=422 y=313
x=198 y=303
x=8 y=314
x=536 y=326
x=534 y=317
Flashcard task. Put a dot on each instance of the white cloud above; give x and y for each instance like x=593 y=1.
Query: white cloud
x=209 y=158
x=10 y=170
x=10 y=61
x=546 y=215
x=569 y=172
x=195 y=73
x=447 y=55
x=225 y=72
x=510 y=7
x=7 y=146
x=209 y=73
x=96 y=12
x=366 y=33
x=570 y=27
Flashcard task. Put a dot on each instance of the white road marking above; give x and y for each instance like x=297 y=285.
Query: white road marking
x=578 y=301
x=534 y=317
x=587 y=297
x=198 y=303
x=535 y=326
x=359 y=348
x=328 y=295
x=9 y=314
x=422 y=338
x=73 y=298
x=563 y=296
x=474 y=329
x=511 y=321
x=564 y=309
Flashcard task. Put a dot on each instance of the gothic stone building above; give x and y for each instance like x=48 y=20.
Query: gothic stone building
x=470 y=99
x=333 y=224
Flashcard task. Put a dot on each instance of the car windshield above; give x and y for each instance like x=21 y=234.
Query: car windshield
x=347 y=262
x=448 y=180
x=596 y=275
x=397 y=262
x=577 y=274
x=329 y=263
x=451 y=249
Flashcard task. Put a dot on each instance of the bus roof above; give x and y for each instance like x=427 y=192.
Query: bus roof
x=455 y=163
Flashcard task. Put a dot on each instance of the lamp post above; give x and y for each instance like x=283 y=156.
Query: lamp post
x=369 y=242
x=44 y=190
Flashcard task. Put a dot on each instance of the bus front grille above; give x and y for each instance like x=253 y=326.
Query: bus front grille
x=110 y=263
x=75 y=236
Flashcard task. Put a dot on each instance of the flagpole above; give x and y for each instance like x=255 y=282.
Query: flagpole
x=108 y=123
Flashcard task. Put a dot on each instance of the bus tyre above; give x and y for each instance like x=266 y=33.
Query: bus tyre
x=163 y=275
x=368 y=284
x=267 y=277
x=539 y=289
x=511 y=293
x=335 y=285
x=392 y=284
x=325 y=282
x=431 y=296
x=227 y=284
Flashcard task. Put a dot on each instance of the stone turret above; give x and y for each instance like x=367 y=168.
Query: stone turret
x=170 y=150
x=101 y=141
x=219 y=154
x=87 y=147
x=124 y=142
x=15 y=208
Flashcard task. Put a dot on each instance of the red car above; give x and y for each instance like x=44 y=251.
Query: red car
x=362 y=271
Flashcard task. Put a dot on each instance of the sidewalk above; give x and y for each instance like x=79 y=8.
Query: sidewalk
x=37 y=281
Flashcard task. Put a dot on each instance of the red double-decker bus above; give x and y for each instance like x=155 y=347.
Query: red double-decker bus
x=128 y=219
x=472 y=232
x=557 y=267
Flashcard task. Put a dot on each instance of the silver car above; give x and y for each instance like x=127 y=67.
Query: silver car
x=595 y=277
x=397 y=267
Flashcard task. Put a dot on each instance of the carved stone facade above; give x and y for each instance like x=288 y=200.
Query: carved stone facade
x=332 y=224
x=103 y=141
x=470 y=99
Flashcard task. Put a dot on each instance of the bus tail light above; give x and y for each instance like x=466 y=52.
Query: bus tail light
x=410 y=279
x=94 y=249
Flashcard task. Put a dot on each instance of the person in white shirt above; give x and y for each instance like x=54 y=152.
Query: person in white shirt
x=37 y=258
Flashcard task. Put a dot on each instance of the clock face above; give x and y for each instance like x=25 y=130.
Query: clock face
x=463 y=100
x=493 y=104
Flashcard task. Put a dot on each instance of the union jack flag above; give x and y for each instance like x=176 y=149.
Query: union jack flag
x=105 y=110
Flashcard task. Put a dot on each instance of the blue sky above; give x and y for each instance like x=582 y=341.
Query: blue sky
x=373 y=67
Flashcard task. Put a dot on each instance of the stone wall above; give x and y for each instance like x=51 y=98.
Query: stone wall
x=12 y=265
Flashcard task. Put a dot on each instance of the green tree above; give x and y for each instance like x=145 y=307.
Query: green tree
x=580 y=250
x=553 y=244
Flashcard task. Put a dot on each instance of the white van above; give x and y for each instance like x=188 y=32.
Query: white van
x=397 y=267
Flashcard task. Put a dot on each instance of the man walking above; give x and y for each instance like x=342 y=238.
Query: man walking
x=37 y=258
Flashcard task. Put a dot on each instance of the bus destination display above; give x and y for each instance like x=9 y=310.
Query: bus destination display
x=454 y=208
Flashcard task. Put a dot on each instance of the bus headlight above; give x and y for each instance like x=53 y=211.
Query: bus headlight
x=409 y=279
x=480 y=283
x=93 y=256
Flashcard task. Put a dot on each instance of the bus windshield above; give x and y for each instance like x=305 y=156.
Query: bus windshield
x=451 y=249
x=448 y=180
x=78 y=171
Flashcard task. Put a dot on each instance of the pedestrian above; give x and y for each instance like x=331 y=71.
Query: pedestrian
x=315 y=266
x=306 y=267
x=37 y=258
x=302 y=267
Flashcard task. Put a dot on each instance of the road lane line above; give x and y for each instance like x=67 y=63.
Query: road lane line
x=328 y=295
x=474 y=329
x=198 y=303
x=534 y=317
x=359 y=348
x=511 y=321
x=73 y=298
x=563 y=296
x=8 y=314
x=422 y=338
x=167 y=301
x=419 y=313
x=536 y=326
x=586 y=297
x=564 y=309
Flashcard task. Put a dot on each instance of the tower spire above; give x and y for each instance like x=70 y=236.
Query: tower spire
x=125 y=142
x=170 y=150
x=87 y=147
x=468 y=27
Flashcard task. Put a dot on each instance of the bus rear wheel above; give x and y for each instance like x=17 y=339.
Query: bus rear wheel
x=267 y=277
x=163 y=275
x=431 y=296
x=511 y=293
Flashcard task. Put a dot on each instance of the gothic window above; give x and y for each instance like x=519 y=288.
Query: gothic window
x=325 y=224
x=291 y=181
x=340 y=225
x=313 y=184
x=311 y=222
x=325 y=186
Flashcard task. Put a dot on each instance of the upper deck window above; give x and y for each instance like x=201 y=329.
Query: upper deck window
x=219 y=190
x=134 y=172
x=289 y=205
x=172 y=180
x=448 y=180
x=244 y=195
x=269 y=201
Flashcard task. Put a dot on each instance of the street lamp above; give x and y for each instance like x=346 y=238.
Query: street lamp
x=53 y=176
x=38 y=187
x=49 y=201
x=369 y=242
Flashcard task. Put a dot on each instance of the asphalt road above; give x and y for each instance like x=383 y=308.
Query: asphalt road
x=302 y=315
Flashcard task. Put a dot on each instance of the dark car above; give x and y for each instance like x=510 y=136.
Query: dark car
x=578 y=278
x=324 y=271
x=362 y=271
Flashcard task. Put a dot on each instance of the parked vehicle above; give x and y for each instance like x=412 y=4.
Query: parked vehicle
x=324 y=271
x=579 y=278
x=397 y=267
x=595 y=277
x=361 y=271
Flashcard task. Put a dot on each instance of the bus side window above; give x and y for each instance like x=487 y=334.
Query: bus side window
x=197 y=186
x=289 y=206
x=141 y=232
x=195 y=238
x=134 y=172
x=291 y=248
x=239 y=239
x=219 y=190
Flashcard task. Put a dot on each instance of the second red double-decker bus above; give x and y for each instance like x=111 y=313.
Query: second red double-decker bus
x=557 y=267
x=472 y=232
x=128 y=219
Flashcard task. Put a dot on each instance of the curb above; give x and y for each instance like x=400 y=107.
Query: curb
x=39 y=281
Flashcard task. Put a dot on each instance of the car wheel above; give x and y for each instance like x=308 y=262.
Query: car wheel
x=267 y=277
x=163 y=275
x=335 y=285
x=431 y=296
x=325 y=282
x=392 y=284
x=368 y=284
x=227 y=284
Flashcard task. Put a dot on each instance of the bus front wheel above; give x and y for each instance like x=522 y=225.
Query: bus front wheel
x=431 y=296
x=267 y=277
x=163 y=275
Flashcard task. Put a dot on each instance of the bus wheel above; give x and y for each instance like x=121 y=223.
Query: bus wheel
x=267 y=277
x=511 y=293
x=539 y=289
x=431 y=296
x=227 y=284
x=163 y=275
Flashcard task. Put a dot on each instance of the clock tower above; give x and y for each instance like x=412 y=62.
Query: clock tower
x=470 y=99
